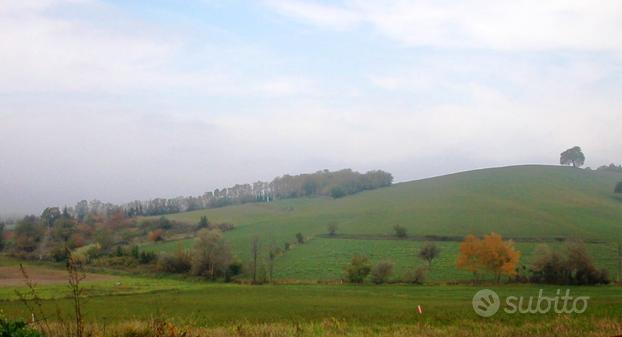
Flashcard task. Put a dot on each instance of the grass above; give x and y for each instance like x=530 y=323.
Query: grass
x=224 y=305
x=213 y=309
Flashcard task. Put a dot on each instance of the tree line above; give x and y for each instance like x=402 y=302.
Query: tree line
x=491 y=255
x=335 y=184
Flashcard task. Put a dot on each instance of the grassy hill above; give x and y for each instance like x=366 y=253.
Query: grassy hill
x=521 y=202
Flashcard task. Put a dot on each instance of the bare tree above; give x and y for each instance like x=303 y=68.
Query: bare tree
x=255 y=246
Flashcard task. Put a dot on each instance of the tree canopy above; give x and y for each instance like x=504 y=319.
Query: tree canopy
x=491 y=254
x=573 y=156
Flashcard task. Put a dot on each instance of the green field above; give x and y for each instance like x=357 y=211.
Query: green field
x=374 y=308
x=540 y=202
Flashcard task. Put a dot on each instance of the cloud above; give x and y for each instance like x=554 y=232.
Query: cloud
x=499 y=25
x=68 y=46
x=321 y=15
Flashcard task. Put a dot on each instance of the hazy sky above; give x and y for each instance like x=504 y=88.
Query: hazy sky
x=123 y=100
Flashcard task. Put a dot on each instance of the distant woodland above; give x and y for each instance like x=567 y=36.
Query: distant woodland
x=335 y=184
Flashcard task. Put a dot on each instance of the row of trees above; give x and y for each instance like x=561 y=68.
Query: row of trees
x=360 y=268
x=492 y=255
x=322 y=183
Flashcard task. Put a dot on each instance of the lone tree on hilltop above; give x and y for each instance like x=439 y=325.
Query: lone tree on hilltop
x=573 y=156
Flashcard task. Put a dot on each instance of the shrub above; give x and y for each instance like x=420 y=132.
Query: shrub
x=16 y=329
x=146 y=257
x=156 y=235
x=224 y=227
x=235 y=269
x=179 y=262
x=400 y=231
x=300 y=238
x=337 y=192
x=415 y=276
x=116 y=261
x=286 y=246
x=575 y=266
x=203 y=223
x=618 y=188
x=332 y=229
x=358 y=269
x=381 y=272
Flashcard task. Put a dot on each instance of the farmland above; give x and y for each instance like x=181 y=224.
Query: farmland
x=529 y=203
x=325 y=309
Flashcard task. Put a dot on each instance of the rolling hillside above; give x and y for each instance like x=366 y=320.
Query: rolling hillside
x=537 y=202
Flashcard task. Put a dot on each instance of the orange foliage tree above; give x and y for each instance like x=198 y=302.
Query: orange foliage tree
x=491 y=254
x=156 y=235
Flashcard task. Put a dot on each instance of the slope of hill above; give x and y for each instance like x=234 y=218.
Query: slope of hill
x=519 y=201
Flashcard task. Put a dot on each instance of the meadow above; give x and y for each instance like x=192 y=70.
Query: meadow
x=335 y=310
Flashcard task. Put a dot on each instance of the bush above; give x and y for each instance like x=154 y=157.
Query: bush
x=16 y=329
x=116 y=261
x=156 y=235
x=400 y=231
x=573 y=267
x=224 y=227
x=147 y=257
x=332 y=229
x=174 y=263
x=337 y=192
x=415 y=276
x=300 y=238
x=203 y=223
x=358 y=269
x=235 y=269
x=381 y=272
x=618 y=188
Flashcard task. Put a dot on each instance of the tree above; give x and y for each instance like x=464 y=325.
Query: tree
x=1 y=236
x=28 y=234
x=381 y=272
x=499 y=256
x=491 y=254
x=203 y=223
x=400 y=231
x=211 y=255
x=49 y=216
x=573 y=156
x=300 y=238
x=618 y=188
x=415 y=276
x=429 y=252
x=332 y=229
x=358 y=269
x=255 y=247
x=273 y=253
x=63 y=228
x=468 y=258
x=156 y=235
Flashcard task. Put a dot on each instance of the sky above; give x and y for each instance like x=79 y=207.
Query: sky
x=125 y=100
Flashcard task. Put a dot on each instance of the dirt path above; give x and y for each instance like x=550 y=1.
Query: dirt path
x=10 y=276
